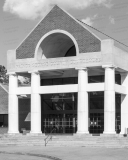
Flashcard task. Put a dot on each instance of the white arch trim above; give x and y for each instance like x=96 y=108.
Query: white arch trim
x=57 y=31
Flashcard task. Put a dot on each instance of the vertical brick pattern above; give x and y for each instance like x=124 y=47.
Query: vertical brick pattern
x=24 y=109
x=58 y=19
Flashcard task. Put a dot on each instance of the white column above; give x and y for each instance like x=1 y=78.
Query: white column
x=82 y=120
x=124 y=105
x=35 y=103
x=109 y=100
x=13 y=121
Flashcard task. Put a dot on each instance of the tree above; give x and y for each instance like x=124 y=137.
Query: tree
x=4 y=78
x=3 y=75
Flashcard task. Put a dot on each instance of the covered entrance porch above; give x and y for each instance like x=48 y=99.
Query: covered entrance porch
x=72 y=102
x=59 y=105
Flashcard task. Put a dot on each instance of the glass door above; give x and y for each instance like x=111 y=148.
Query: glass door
x=96 y=123
x=59 y=111
x=96 y=112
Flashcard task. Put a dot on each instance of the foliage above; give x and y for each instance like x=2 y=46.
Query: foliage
x=3 y=76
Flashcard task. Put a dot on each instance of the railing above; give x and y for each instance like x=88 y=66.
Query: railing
x=49 y=135
x=56 y=124
x=60 y=124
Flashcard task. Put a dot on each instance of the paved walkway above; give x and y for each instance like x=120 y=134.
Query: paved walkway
x=61 y=153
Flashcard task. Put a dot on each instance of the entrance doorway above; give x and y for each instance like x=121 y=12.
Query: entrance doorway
x=96 y=112
x=59 y=113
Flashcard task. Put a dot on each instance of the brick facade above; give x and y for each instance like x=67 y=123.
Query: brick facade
x=58 y=19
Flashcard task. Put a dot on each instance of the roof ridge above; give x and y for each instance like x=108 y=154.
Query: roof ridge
x=77 y=21
x=103 y=33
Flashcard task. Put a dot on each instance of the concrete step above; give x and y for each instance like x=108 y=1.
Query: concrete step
x=83 y=141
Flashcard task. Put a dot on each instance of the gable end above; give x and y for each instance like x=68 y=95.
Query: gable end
x=58 y=19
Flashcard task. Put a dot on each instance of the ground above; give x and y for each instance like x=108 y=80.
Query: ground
x=61 y=153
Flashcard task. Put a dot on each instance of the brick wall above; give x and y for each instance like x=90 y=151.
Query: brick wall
x=58 y=19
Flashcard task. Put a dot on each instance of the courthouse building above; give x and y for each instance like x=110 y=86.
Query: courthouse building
x=79 y=79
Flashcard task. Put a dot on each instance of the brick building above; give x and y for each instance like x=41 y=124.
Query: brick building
x=78 y=79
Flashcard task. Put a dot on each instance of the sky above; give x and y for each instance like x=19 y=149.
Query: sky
x=19 y=17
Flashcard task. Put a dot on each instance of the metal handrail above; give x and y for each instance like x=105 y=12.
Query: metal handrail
x=49 y=135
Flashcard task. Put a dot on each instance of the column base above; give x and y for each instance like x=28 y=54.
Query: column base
x=109 y=134
x=13 y=133
x=81 y=133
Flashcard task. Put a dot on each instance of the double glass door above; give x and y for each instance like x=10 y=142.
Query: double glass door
x=59 y=113
x=96 y=112
x=59 y=124
x=96 y=123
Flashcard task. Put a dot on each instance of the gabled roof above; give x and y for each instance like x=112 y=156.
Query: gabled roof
x=53 y=8
x=88 y=38
x=104 y=36
x=58 y=19
x=3 y=99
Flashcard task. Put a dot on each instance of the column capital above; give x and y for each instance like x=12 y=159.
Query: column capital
x=81 y=68
x=34 y=72
x=109 y=66
x=11 y=73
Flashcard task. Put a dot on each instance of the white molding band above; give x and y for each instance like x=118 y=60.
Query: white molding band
x=121 y=89
x=91 y=87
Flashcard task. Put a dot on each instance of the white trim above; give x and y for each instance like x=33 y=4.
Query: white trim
x=57 y=31
x=109 y=66
x=58 y=89
x=23 y=90
x=120 y=89
x=95 y=87
x=11 y=73
x=69 y=88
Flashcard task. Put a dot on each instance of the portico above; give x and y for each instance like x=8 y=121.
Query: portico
x=61 y=53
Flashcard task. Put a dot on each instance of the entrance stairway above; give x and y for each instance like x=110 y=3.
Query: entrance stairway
x=63 y=140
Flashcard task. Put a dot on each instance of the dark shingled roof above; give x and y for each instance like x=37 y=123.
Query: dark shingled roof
x=3 y=99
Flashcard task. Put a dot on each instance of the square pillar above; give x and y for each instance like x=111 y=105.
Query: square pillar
x=109 y=100
x=13 y=120
x=35 y=103
x=82 y=120
x=124 y=105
